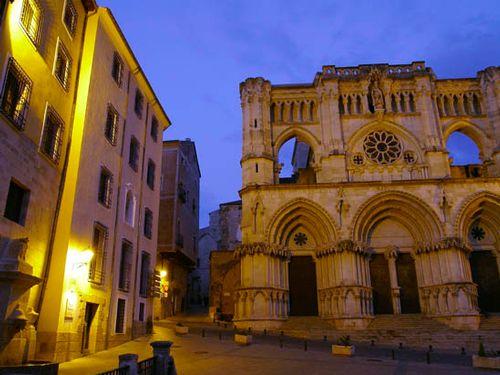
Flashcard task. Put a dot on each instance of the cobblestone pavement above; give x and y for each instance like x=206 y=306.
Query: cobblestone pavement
x=216 y=353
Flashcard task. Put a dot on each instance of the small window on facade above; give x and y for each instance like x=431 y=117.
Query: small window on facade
x=117 y=69
x=125 y=266
x=133 y=158
x=111 y=125
x=15 y=94
x=105 y=187
x=62 y=67
x=151 y=174
x=130 y=208
x=141 y=312
x=97 y=264
x=16 y=206
x=144 y=281
x=139 y=103
x=52 y=135
x=154 y=129
x=120 y=316
x=31 y=18
x=148 y=223
x=70 y=17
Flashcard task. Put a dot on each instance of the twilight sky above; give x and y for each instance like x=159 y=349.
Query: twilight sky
x=195 y=53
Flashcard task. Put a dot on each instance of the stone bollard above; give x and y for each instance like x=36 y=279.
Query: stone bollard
x=164 y=362
x=129 y=360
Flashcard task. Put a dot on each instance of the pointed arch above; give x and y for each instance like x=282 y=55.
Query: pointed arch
x=301 y=212
x=408 y=210
x=482 y=205
x=471 y=130
x=301 y=134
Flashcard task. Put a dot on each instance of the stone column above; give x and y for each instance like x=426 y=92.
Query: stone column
x=391 y=254
x=445 y=282
x=345 y=292
x=260 y=295
x=164 y=361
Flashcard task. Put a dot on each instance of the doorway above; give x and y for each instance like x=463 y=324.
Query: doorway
x=302 y=282
x=407 y=280
x=90 y=311
x=485 y=274
x=381 y=283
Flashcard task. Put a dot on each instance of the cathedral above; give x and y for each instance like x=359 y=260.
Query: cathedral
x=376 y=218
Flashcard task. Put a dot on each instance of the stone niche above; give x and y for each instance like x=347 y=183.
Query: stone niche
x=17 y=333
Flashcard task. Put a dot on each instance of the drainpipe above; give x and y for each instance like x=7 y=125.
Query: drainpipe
x=52 y=235
x=116 y=241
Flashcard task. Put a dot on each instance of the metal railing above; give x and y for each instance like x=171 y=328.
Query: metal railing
x=117 y=371
x=146 y=367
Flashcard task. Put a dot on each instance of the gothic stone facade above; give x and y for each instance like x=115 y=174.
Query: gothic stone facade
x=379 y=221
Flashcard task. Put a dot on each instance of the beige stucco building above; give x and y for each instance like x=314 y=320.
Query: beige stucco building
x=81 y=130
x=377 y=221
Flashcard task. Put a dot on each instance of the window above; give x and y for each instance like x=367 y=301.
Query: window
x=70 y=17
x=151 y=174
x=117 y=69
x=129 y=208
x=15 y=94
x=52 y=135
x=16 y=206
x=111 y=125
x=154 y=129
x=125 y=266
x=120 y=316
x=62 y=67
x=133 y=157
x=148 y=223
x=144 y=281
x=105 y=187
x=97 y=264
x=31 y=17
x=139 y=103
x=141 y=312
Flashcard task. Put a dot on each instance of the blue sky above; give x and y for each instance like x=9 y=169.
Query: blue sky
x=196 y=53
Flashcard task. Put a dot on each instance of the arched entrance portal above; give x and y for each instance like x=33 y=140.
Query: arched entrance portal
x=480 y=222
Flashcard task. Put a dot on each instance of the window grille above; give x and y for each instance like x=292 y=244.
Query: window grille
x=111 y=125
x=133 y=159
x=62 y=67
x=52 y=136
x=117 y=69
x=125 y=266
x=120 y=316
x=139 y=103
x=145 y=273
x=105 y=187
x=148 y=223
x=97 y=264
x=151 y=174
x=154 y=129
x=70 y=17
x=31 y=17
x=16 y=94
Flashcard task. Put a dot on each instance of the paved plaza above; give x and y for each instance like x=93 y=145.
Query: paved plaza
x=216 y=354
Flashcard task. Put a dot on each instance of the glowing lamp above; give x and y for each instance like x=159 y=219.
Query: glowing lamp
x=163 y=273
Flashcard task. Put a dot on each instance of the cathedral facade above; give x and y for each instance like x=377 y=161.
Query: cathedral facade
x=376 y=219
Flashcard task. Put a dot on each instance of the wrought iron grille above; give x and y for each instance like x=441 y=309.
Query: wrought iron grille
x=52 y=135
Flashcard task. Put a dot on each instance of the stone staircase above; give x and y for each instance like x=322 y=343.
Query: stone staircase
x=412 y=330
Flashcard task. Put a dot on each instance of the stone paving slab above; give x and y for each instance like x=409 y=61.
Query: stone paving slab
x=208 y=355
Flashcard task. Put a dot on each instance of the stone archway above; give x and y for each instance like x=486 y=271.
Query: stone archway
x=392 y=224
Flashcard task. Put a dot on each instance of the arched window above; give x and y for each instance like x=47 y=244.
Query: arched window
x=358 y=104
x=412 y=103
x=296 y=158
x=403 y=103
x=290 y=114
x=394 y=104
x=341 y=106
x=349 y=105
x=301 y=112
x=467 y=105
x=130 y=208
x=282 y=112
x=447 y=107
x=311 y=112
x=455 y=105
x=476 y=104
x=462 y=149
x=272 y=112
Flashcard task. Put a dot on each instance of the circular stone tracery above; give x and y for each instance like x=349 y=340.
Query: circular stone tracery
x=382 y=147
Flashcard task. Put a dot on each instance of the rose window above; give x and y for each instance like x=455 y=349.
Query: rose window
x=478 y=233
x=300 y=239
x=382 y=147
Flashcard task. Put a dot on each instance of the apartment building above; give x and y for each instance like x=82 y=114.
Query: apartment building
x=82 y=135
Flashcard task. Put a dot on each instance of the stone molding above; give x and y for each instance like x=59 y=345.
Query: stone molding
x=344 y=245
x=443 y=244
x=279 y=251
